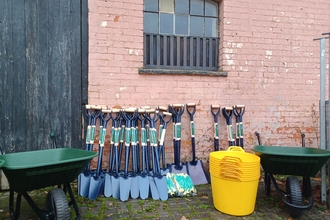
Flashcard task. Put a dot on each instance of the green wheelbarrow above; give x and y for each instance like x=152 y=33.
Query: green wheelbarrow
x=27 y=171
x=292 y=161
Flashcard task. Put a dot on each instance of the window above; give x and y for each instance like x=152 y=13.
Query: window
x=181 y=34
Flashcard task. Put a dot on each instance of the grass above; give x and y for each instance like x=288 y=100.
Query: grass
x=204 y=206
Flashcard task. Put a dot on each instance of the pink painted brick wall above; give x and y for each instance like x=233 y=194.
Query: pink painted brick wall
x=266 y=47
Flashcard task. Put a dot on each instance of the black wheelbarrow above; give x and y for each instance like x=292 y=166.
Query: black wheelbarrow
x=27 y=171
x=292 y=161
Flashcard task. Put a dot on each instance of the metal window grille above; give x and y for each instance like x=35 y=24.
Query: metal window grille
x=180 y=52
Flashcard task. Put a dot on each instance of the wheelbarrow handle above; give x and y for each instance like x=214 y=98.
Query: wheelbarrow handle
x=258 y=137
x=303 y=140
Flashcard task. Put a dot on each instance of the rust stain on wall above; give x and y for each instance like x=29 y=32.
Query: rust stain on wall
x=116 y=18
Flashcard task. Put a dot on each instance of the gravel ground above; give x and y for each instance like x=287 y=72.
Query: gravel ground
x=197 y=207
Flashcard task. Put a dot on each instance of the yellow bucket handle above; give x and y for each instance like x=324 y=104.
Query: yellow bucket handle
x=229 y=177
x=236 y=148
x=232 y=169
x=231 y=159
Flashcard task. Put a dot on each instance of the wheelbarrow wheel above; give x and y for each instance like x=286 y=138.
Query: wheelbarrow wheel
x=57 y=204
x=294 y=196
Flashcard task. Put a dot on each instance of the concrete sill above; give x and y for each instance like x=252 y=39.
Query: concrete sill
x=181 y=72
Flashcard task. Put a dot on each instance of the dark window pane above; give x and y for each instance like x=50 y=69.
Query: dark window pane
x=197 y=7
x=211 y=27
x=211 y=8
x=166 y=23
x=151 y=5
x=166 y=6
x=182 y=7
x=150 y=23
x=181 y=24
x=196 y=26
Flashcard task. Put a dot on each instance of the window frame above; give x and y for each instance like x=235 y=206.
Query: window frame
x=179 y=51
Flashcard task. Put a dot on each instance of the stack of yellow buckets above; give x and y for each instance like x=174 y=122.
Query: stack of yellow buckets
x=234 y=179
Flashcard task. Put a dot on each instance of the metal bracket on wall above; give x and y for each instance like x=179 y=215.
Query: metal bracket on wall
x=323 y=139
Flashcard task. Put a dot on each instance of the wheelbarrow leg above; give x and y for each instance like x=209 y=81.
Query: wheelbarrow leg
x=14 y=213
x=267 y=183
x=307 y=187
x=42 y=214
x=73 y=201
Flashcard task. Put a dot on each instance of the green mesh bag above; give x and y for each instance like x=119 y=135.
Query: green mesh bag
x=180 y=184
x=171 y=189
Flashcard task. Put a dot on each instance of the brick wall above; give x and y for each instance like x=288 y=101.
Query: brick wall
x=266 y=47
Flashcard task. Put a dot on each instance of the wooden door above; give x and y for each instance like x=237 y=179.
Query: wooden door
x=43 y=69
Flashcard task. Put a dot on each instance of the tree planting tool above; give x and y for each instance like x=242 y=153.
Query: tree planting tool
x=92 y=113
x=227 y=112
x=177 y=167
x=239 y=112
x=135 y=189
x=115 y=116
x=164 y=169
x=195 y=167
x=153 y=141
x=160 y=110
x=125 y=180
x=160 y=179
x=215 y=109
x=115 y=181
x=84 y=177
x=96 y=186
x=143 y=177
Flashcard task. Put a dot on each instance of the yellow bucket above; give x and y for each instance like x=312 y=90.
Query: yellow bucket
x=236 y=173
x=235 y=198
x=234 y=160
x=234 y=155
x=237 y=177
x=234 y=181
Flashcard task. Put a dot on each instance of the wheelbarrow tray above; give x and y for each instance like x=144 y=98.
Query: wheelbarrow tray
x=298 y=161
x=32 y=170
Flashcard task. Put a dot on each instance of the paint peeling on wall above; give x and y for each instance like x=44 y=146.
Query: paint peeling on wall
x=104 y=24
x=134 y=52
x=269 y=54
